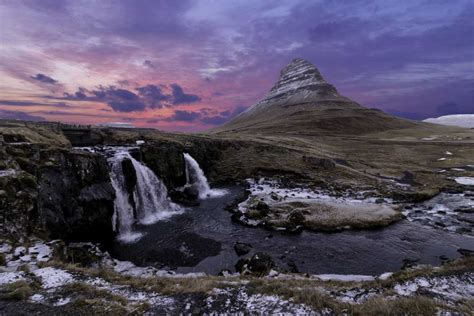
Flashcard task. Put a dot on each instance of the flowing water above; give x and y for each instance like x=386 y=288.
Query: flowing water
x=202 y=240
x=195 y=177
x=150 y=198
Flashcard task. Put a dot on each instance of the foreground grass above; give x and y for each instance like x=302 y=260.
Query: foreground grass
x=17 y=291
x=311 y=292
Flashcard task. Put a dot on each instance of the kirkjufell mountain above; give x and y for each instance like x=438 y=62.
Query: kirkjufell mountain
x=302 y=101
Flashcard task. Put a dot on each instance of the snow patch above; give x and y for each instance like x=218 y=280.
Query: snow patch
x=461 y=120
x=53 y=277
x=465 y=180
x=11 y=277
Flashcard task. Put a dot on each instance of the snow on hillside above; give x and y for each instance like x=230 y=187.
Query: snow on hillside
x=462 y=120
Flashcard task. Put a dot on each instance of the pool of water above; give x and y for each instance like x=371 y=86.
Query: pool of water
x=202 y=240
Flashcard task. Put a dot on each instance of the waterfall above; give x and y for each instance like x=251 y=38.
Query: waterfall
x=195 y=177
x=122 y=219
x=150 y=196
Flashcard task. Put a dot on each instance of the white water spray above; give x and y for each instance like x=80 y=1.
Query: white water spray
x=195 y=177
x=150 y=196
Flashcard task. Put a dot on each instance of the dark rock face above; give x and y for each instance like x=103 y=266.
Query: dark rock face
x=130 y=179
x=189 y=196
x=165 y=159
x=55 y=193
x=75 y=196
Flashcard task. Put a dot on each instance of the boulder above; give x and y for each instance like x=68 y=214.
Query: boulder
x=189 y=196
x=242 y=248
x=191 y=192
x=259 y=264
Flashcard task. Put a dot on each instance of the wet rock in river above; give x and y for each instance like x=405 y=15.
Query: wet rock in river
x=259 y=264
x=242 y=248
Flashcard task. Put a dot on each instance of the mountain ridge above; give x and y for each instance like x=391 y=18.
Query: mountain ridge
x=302 y=101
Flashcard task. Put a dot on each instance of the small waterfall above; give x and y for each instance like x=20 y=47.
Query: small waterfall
x=123 y=218
x=195 y=177
x=150 y=196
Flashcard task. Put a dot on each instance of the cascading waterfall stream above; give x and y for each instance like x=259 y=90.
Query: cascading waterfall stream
x=150 y=196
x=122 y=219
x=195 y=177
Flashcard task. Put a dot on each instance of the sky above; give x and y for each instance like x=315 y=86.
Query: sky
x=190 y=65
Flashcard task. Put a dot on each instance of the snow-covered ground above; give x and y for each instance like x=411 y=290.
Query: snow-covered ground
x=461 y=120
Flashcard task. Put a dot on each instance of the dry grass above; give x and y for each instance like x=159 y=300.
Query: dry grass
x=37 y=135
x=17 y=291
x=417 y=305
x=162 y=285
x=298 y=291
x=461 y=265
x=87 y=291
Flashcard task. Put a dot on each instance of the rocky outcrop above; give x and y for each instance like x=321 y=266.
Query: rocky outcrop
x=165 y=159
x=55 y=193
x=75 y=197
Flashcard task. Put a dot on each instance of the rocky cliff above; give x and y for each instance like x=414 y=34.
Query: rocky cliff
x=54 y=192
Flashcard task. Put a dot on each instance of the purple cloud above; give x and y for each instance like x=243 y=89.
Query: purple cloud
x=122 y=100
x=18 y=115
x=184 y=116
x=179 y=97
x=44 y=79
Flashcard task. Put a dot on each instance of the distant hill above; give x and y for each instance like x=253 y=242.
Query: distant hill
x=303 y=102
x=461 y=120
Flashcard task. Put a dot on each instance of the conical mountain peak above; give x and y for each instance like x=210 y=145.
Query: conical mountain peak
x=300 y=68
x=300 y=82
